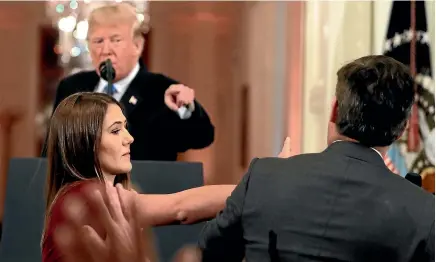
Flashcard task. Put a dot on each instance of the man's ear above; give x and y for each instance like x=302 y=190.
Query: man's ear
x=334 y=111
x=139 y=44
x=404 y=130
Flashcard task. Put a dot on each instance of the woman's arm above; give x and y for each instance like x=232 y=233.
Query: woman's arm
x=202 y=203
x=186 y=207
x=191 y=205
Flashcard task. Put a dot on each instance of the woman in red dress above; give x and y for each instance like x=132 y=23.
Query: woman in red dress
x=88 y=141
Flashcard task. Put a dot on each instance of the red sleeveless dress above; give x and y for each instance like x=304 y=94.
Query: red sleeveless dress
x=50 y=252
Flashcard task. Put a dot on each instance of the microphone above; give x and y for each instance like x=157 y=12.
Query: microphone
x=414 y=178
x=107 y=72
x=184 y=112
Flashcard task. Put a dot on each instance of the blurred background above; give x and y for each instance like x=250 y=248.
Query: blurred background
x=263 y=70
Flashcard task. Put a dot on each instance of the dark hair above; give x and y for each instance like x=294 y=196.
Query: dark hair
x=73 y=142
x=375 y=95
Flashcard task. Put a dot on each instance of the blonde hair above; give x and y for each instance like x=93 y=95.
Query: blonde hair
x=115 y=13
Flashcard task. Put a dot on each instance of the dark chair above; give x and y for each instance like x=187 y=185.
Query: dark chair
x=165 y=178
x=23 y=211
x=24 y=205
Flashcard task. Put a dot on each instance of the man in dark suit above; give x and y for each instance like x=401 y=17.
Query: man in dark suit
x=342 y=204
x=152 y=102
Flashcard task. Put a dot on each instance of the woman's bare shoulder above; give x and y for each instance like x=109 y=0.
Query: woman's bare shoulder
x=76 y=189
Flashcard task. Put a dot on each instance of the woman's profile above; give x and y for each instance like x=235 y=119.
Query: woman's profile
x=88 y=141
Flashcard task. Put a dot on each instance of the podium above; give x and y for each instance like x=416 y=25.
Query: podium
x=25 y=205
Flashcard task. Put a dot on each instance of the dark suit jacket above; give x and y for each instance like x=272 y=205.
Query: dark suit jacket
x=159 y=133
x=339 y=205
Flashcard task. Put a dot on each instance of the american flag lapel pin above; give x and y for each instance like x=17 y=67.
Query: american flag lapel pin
x=133 y=100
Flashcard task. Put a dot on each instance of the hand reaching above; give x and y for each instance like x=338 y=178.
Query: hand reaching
x=116 y=211
x=286 y=150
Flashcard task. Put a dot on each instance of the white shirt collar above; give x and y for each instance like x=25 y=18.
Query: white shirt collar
x=121 y=85
x=371 y=148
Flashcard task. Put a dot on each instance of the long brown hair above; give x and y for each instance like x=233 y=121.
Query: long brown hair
x=73 y=142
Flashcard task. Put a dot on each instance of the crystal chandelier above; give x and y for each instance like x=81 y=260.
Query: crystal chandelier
x=70 y=17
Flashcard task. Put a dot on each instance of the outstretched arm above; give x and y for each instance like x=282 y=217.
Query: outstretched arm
x=191 y=205
x=186 y=207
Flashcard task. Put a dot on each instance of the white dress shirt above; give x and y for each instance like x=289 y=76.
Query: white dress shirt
x=371 y=148
x=121 y=85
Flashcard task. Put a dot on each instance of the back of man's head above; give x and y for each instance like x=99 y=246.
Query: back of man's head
x=374 y=98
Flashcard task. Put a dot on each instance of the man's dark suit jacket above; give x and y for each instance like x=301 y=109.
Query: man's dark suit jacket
x=339 y=205
x=159 y=133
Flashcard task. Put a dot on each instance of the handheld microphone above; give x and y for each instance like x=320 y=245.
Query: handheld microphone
x=107 y=72
x=414 y=178
x=184 y=112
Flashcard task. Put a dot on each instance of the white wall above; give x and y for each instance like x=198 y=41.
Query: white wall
x=333 y=37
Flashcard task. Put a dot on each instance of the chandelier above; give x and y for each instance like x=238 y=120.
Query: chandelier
x=70 y=18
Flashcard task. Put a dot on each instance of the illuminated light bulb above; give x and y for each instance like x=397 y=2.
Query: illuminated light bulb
x=74 y=5
x=140 y=17
x=75 y=51
x=65 y=59
x=60 y=8
x=57 y=49
x=81 y=30
x=67 y=24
